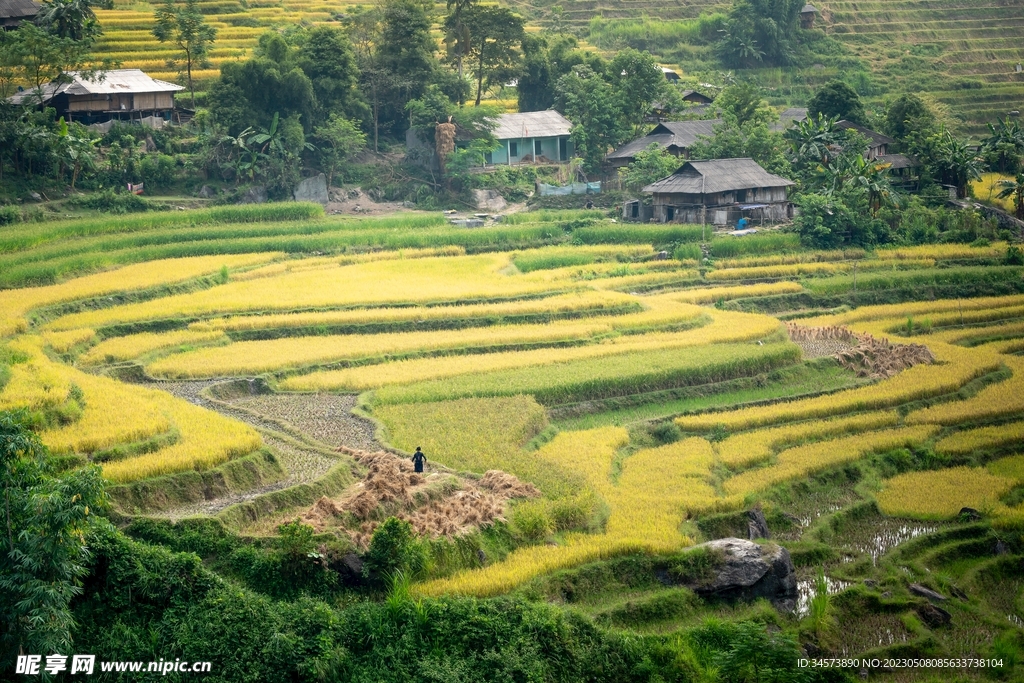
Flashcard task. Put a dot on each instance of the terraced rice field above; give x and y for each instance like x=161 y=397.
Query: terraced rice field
x=471 y=356
x=128 y=38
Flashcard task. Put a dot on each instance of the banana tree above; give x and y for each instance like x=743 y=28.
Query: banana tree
x=1014 y=188
x=73 y=151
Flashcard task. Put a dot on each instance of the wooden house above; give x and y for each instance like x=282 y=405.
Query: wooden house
x=696 y=97
x=721 y=191
x=675 y=136
x=531 y=137
x=789 y=117
x=13 y=12
x=878 y=144
x=119 y=94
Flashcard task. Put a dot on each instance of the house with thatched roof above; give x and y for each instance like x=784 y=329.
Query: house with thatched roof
x=531 y=137
x=721 y=191
x=13 y=12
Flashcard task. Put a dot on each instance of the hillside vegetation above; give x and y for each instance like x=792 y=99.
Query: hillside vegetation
x=630 y=406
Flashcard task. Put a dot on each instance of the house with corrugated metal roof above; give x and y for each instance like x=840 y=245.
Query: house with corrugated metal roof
x=720 y=192
x=121 y=94
x=675 y=136
x=13 y=12
x=531 y=137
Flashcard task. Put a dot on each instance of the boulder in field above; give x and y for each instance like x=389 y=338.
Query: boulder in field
x=312 y=190
x=749 y=571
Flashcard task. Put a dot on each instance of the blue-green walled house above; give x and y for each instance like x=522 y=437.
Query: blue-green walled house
x=532 y=137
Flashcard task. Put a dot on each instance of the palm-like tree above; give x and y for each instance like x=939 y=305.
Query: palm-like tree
x=1005 y=145
x=815 y=140
x=74 y=19
x=1014 y=188
x=872 y=177
x=956 y=162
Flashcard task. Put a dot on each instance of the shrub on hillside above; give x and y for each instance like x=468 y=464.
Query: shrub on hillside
x=9 y=214
x=113 y=202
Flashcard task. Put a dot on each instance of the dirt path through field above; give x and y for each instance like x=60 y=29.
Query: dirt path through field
x=300 y=428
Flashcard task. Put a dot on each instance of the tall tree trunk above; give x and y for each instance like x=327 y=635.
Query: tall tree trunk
x=480 y=72
x=192 y=90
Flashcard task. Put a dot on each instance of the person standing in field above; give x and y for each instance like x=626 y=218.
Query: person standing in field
x=418 y=459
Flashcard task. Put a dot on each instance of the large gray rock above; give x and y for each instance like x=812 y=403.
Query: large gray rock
x=312 y=190
x=256 y=194
x=489 y=200
x=750 y=571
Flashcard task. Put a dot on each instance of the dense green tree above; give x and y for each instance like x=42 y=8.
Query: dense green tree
x=182 y=24
x=38 y=57
x=457 y=34
x=425 y=112
x=327 y=59
x=638 y=82
x=906 y=115
x=836 y=98
x=744 y=103
x=44 y=543
x=760 y=32
x=753 y=139
x=590 y=103
x=337 y=141
x=405 y=54
x=826 y=222
x=74 y=19
x=495 y=36
x=545 y=60
x=251 y=93
x=535 y=91
x=648 y=166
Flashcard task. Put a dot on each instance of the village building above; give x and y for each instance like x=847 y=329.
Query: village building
x=13 y=12
x=878 y=144
x=670 y=75
x=119 y=94
x=675 y=136
x=531 y=137
x=696 y=97
x=720 y=192
x=788 y=117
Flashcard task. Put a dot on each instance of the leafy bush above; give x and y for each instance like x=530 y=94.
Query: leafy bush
x=9 y=214
x=113 y=202
x=158 y=170
x=393 y=549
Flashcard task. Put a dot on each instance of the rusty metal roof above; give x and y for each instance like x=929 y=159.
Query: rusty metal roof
x=717 y=175
x=531 y=124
